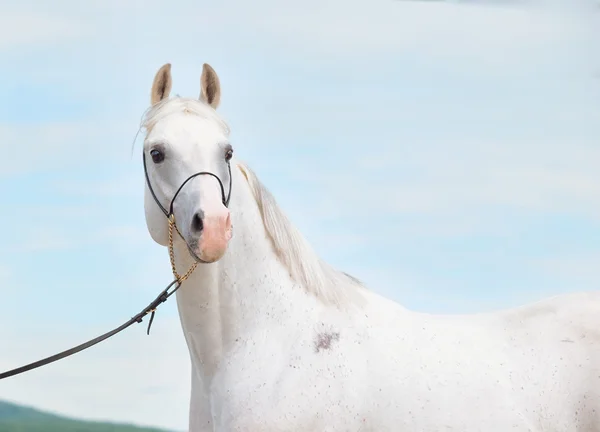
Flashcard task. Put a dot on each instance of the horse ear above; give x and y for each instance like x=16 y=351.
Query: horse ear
x=210 y=87
x=161 y=87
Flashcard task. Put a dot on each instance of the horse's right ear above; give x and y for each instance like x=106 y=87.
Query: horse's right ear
x=210 y=87
x=161 y=87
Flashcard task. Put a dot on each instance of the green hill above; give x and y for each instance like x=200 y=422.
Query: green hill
x=17 y=418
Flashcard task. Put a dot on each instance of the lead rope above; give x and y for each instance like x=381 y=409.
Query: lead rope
x=150 y=309
x=178 y=278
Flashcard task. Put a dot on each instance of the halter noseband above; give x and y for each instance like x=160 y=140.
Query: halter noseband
x=169 y=213
x=171 y=216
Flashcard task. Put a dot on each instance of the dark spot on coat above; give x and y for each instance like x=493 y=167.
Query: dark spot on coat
x=324 y=340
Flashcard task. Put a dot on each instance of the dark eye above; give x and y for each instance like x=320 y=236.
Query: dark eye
x=157 y=156
x=228 y=155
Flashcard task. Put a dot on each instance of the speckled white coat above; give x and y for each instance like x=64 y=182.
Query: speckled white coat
x=274 y=348
x=254 y=339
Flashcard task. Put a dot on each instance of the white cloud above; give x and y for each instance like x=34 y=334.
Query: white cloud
x=342 y=28
x=56 y=237
x=51 y=146
x=127 y=185
x=541 y=176
x=494 y=34
x=581 y=270
x=5 y=275
x=44 y=239
x=24 y=28
x=31 y=147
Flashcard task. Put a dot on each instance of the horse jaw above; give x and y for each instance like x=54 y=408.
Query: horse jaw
x=156 y=222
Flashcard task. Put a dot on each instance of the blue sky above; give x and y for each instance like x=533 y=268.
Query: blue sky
x=446 y=154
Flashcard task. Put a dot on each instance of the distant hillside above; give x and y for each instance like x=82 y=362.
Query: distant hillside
x=16 y=418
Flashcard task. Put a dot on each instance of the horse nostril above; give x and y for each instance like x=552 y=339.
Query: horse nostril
x=197 y=224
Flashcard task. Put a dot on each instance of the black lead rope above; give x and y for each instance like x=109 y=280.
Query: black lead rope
x=151 y=308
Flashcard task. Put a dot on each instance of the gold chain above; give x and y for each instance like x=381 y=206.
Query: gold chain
x=179 y=278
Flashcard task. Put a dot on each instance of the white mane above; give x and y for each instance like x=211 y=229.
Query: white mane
x=305 y=266
x=178 y=104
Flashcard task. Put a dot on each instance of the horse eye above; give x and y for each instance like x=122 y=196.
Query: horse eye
x=228 y=155
x=157 y=156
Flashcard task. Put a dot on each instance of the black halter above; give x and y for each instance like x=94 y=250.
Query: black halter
x=169 y=214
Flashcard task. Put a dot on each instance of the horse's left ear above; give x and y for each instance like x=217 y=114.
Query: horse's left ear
x=210 y=86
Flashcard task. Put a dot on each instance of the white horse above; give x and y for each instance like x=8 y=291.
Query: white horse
x=280 y=341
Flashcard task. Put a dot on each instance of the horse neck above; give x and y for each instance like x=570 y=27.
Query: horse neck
x=248 y=289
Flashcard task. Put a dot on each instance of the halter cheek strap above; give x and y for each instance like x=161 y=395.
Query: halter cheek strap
x=170 y=212
x=171 y=216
